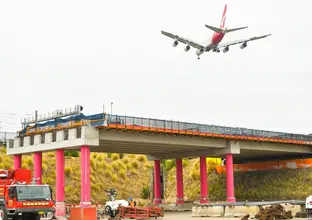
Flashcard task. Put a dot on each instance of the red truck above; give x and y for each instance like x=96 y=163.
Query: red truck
x=21 y=198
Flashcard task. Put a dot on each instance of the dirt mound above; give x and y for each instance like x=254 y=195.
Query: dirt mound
x=273 y=212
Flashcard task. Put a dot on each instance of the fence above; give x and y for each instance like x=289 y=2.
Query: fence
x=118 y=121
x=7 y=135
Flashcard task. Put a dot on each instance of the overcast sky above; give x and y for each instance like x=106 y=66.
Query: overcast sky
x=55 y=54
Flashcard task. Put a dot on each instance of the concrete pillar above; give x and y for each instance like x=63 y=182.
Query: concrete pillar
x=17 y=161
x=179 y=181
x=85 y=176
x=60 y=183
x=157 y=188
x=203 y=180
x=38 y=167
x=230 y=179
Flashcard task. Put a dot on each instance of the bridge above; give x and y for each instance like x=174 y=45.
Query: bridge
x=158 y=139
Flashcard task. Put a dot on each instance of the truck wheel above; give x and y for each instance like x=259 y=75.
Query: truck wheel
x=107 y=210
x=3 y=213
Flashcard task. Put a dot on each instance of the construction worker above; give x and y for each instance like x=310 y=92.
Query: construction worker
x=132 y=202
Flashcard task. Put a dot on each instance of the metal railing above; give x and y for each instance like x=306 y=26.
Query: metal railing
x=4 y=136
x=104 y=120
x=203 y=128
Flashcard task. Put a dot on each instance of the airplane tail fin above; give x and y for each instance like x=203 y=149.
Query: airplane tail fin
x=222 y=23
x=222 y=28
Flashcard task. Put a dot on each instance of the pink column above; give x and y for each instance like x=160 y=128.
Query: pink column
x=179 y=181
x=38 y=166
x=17 y=161
x=60 y=182
x=229 y=179
x=157 y=191
x=85 y=176
x=203 y=180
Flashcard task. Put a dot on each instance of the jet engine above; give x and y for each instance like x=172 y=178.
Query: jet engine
x=243 y=45
x=226 y=49
x=199 y=52
x=175 y=43
x=187 y=48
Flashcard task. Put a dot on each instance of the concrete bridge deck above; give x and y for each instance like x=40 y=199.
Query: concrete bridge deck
x=158 y=138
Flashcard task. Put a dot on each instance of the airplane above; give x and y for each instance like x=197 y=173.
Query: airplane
x=214 y=43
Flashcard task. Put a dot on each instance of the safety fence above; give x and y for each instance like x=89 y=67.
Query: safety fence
x=103 y=120
x=4 y=136
x=269 y=165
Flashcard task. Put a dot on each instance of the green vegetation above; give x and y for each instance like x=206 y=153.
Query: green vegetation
x=130 y=174
x=252 y=186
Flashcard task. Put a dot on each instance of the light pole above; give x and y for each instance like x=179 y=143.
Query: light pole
x=112 y=108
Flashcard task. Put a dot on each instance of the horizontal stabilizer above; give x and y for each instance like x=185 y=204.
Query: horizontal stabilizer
x=235 y=29
x=223 y=31
x=215 y=29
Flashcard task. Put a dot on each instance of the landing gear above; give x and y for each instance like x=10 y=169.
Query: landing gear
x=198 y=57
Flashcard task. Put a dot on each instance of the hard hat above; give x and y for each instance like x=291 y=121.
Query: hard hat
x=130 y=198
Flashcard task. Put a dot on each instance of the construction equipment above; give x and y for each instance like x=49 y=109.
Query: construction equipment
x=111 y=207
x=21 y=198
x=308 y=206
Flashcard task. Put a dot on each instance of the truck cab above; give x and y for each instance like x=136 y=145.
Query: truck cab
x=24 y=200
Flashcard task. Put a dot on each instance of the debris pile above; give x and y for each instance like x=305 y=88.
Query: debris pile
x=275 y=211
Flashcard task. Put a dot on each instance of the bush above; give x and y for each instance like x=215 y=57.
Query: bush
x=114 y=178
x=51 y=154
x=115 y=156
x=24 y=165
x=109 y=155
x=75 y=154
x=145 y=192
x=68 y=171
x=108 y=173
x=169 y=164
x=135 y=164
x=44 y=168
x=195 y=174
x=185 y=162
x=141 y=158
x=122 y=173
x=125 y=160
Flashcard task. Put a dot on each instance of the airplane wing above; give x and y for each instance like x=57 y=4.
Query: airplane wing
x=242 y=41
x=183 y=40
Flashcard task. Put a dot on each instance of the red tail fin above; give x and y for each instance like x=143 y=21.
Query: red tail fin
x=223 y=17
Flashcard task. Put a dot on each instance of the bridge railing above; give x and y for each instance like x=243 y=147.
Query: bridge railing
x=119 y=121
x=202 y=128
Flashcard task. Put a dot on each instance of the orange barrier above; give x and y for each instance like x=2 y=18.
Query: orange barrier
x=86 y=213
x=270 y=165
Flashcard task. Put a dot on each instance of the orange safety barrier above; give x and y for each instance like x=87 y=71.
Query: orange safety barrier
x=269 y=165
x=83 y=213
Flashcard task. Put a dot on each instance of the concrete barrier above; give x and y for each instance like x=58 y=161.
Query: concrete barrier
x=240 y=211
x=208 y=211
